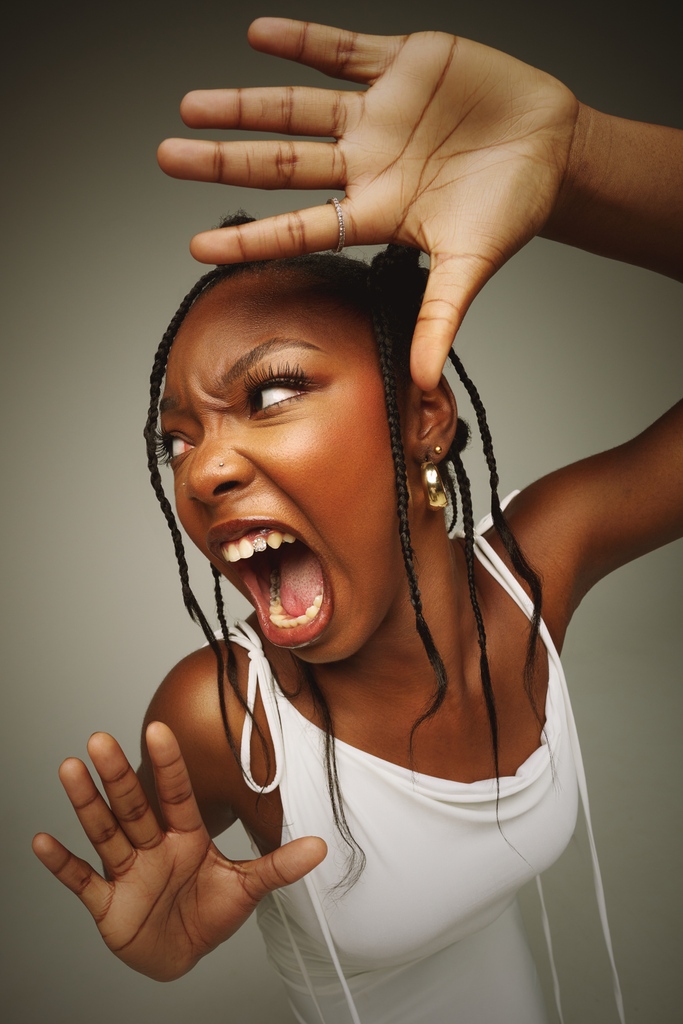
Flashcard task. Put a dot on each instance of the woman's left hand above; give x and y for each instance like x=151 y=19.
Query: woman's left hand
x=455 y=148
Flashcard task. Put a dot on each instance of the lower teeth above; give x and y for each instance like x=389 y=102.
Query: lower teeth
x=279 y=617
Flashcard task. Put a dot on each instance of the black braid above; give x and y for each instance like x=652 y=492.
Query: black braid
x=156 y=379
x=357 y=859
x=468 y=529
x=520 y=563
x=383 y=313
x=223 y=669
x=460 y=442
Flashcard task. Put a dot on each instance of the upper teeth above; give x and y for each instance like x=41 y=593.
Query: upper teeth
x=245 y=548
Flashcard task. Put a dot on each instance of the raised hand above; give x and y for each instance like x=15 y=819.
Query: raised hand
x=454 y=148
x=170 y=896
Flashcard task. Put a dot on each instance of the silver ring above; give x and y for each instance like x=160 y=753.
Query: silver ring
x=342 y=230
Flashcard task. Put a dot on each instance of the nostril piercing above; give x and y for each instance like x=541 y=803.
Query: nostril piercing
x=221 y=464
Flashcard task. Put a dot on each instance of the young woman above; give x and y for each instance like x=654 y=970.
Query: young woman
x=305 y=436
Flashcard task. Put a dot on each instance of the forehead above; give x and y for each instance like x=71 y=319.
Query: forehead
x=242 y=312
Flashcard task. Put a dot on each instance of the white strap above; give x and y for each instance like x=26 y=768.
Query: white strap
x=261 y=680
x=549 y=944
x=325 y=928
x=297 y=954
x=500 y=571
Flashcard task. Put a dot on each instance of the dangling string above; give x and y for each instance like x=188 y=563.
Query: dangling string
x=297 y=954
x=549 y=945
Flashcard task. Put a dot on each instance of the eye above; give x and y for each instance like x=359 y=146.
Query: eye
x=176 y=447
x=170 y=447
x=274 y=394
x=268 y=387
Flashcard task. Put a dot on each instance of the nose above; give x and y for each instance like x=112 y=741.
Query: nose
x=214 y=470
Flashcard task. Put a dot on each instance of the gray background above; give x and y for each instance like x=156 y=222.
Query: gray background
x=571 y=353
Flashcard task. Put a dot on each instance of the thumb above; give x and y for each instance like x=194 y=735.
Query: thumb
x=454 y=281
x=281 y=867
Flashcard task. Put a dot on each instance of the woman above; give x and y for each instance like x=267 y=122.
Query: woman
x=284 y=436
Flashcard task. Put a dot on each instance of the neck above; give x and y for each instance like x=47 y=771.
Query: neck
x=394 y=661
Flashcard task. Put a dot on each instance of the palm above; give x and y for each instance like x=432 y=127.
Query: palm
x=170 y=896
x=180 y=899
x=439 y=127
x=454 y=148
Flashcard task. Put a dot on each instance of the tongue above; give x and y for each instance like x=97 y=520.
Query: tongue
x=301 y=578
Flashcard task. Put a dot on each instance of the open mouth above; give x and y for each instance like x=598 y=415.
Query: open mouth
x=285 y=580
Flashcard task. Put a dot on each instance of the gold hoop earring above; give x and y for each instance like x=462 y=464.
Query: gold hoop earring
x=433 y=485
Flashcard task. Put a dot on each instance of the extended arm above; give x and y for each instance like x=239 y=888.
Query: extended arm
x=623 y=193
x=585 y=520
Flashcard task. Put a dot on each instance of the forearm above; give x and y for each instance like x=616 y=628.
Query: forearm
x=622 y=194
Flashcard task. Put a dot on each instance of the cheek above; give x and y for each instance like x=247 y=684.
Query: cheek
x=348 y=469
x=334 y=462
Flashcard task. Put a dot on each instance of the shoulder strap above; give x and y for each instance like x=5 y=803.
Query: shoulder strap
x=497 y=568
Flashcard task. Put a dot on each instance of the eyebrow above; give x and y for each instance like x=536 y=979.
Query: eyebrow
x=243 y=365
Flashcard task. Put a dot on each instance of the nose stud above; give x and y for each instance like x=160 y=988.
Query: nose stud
x=221 y=464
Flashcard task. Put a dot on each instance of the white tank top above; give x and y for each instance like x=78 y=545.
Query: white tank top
x=431 y=932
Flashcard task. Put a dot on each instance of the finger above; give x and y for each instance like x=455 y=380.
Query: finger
x=292 y=111
x=257 y=164
x=76 y=874
x=334 y=51
x=288 y=234
x=127 y=799
x=453 y=283
x=172 y=780
x=98 y=821
x=281 y=867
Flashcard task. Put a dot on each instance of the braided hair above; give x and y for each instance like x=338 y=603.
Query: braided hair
x=389 y=293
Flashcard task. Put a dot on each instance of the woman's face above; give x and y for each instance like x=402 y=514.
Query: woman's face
x=273 y=414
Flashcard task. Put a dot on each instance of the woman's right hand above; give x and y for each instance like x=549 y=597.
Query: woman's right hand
x=170 y=896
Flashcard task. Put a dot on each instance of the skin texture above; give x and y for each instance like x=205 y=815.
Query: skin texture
x=467 y=161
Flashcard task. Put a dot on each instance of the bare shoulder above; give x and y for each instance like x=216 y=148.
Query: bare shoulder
x=581 y=522
x=188 y=702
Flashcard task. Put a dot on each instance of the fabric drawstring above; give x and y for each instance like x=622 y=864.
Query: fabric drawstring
x=245 y=636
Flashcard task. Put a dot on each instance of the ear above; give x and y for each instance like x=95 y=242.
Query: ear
x=430 y=421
